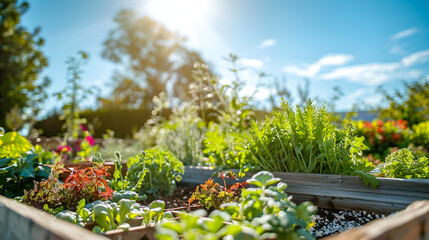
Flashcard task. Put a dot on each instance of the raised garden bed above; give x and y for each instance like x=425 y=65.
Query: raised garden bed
x=325 y=191
x=338 y=192
x=411 y=223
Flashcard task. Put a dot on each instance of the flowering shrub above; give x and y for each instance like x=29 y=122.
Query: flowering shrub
x=382 y=136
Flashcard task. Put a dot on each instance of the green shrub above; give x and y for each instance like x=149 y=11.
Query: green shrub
x=403 y=164
x=159 y=170
x=306 y=141
x=420 y=135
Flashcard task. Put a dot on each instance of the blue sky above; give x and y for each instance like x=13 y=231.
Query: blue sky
x=356 y=45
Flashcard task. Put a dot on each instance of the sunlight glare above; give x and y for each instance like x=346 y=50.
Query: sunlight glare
x=180 y=15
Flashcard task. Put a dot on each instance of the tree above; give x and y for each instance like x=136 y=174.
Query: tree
x=153 y=58
x=21 y=62
x=411 y=105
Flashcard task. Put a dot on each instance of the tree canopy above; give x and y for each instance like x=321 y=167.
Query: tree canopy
x=153 y=59
x=21 y=62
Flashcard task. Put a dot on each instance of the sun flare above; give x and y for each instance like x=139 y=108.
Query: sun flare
x=181 y=15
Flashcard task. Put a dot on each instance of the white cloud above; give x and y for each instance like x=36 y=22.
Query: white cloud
x=415 y=58
x=377 y=73
x=370 y=74
x=396 y=49
x=311 y=70
x=404 y=34
x=248 y=62
x=268 y=43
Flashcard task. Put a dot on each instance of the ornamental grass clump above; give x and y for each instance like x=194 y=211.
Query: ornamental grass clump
x=306 y=141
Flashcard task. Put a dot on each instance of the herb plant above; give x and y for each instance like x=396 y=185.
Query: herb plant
x=263 y=212
x=306 y=141
x=155 y=173
x=403 y=164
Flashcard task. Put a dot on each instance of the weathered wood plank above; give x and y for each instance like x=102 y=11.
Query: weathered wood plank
x=24 y=222
x=329 y=202
x=409 y=224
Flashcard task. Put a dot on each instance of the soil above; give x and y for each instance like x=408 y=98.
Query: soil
x=179 y=199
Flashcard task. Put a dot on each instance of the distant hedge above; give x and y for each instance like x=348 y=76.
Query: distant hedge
x=123 y=121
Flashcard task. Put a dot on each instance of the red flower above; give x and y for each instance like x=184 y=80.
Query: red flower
x=396 y=136
x=90 y=140
x=367 y=124
x=380 y=123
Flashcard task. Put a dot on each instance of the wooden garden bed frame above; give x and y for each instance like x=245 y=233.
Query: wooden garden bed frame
x=22 y=222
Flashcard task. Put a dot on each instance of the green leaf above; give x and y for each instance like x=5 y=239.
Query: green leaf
x=263 y=179
x=368 y=179
x=5 y=161
x=28 y=172
x=12 y=144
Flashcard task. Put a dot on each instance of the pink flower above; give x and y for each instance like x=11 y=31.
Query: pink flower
x=62 y=148
x=83 y=128
x=90 y=140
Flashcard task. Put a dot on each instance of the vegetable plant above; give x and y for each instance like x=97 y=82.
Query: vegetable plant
x=212 y=195
x=108 y=215
x=403 y=164
x=263 y=212
x=154 y=173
